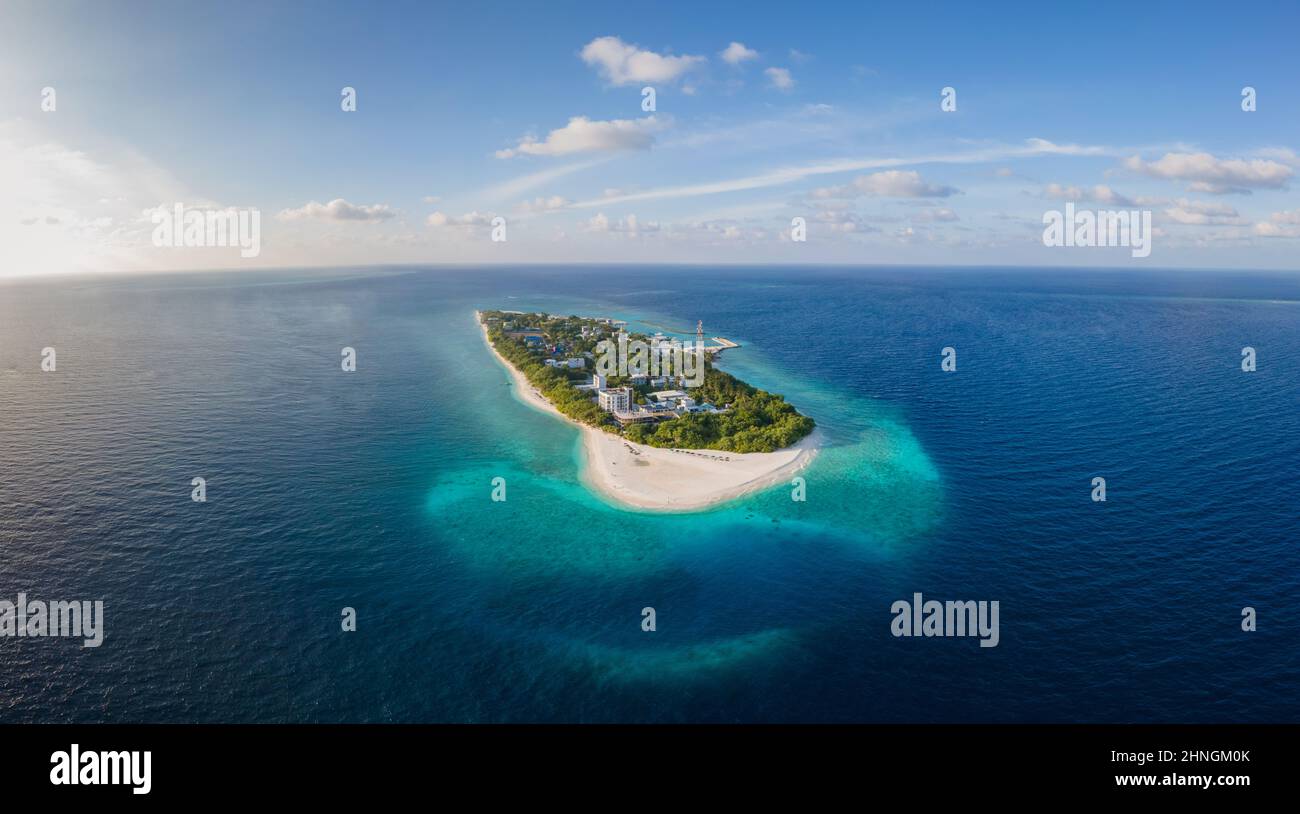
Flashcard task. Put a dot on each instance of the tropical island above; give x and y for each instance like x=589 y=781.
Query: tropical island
x=662 y=426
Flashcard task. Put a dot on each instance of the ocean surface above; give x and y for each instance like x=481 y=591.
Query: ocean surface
x=372 y=490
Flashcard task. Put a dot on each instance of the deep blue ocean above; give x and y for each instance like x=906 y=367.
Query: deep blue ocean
x=372 y=490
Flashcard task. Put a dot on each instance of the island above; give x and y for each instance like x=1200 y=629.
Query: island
x=662 y=427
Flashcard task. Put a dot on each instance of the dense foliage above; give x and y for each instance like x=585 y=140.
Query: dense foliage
x=553 y=383
x=757 y=421
x=754 y=420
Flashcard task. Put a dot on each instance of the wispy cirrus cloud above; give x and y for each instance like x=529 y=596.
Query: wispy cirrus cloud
x=1033 y=147
x=519 y=185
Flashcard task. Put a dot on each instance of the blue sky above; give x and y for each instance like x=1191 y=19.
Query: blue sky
x=533 y=112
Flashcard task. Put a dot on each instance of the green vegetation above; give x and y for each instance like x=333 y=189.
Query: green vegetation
x=756 y=421
x=554 y=383
x=749 y=419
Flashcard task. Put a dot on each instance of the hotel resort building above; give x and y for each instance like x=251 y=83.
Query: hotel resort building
x=616 y=400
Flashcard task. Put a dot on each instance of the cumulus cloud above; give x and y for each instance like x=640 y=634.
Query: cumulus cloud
x=582 y=135
x=779 y=78
x=339 y=210
x=628 y=225
x=1066 y=193
x=1100 y=194
x=1203 y=213
x=843 y=221
x=474 y=218
x=1104 y=194
x=621 y=63
x=887 y=184
x=1280 y=224
x=737 y=53
x=720 y=231
x=1284 y=155
x=1206 y=173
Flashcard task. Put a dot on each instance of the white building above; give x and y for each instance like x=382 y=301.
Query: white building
x=667 y=395
x=618 y=400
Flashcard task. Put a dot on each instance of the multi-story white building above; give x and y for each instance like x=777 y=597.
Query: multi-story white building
x=617 y=400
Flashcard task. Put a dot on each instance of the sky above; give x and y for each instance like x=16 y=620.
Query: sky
x=536 y=113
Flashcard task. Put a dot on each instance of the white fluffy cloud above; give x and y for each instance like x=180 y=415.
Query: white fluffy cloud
x=779 y=78
x=1218 y=176
x=843 y=221
x=1280 y=224
x=622 y=63
x=474 y=218
x=582 y=135
x=628 y=225
x=887 y=184
x=338 y=210
x=1203 y=213
x=737 y=53
x=1100 y=193
x=1065 y=193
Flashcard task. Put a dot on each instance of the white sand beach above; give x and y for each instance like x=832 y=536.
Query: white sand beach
x=647 y=477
